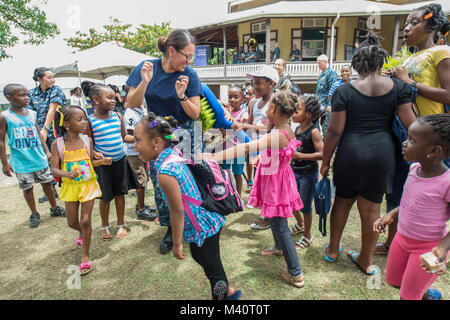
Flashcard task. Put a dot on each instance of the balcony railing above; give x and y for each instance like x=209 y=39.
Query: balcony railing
x=297 y=70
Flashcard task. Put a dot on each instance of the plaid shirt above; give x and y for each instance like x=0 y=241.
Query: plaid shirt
x=209 y=222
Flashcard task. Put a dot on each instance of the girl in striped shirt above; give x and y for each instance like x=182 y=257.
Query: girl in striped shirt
x=108 y=133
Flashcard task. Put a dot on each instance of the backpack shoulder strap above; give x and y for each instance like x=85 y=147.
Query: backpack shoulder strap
x=85 y=140
x=60 y=147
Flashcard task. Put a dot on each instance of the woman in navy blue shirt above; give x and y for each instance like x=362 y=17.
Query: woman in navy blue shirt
x=171 y=88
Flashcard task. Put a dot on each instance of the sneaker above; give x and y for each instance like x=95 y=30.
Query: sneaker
x=35 y=220
x=45 y=199
x=145 y=215
x=433 y=294
x=235 y=296
x=134 y=194
x=166 y=243
x=150 y=209
x=58 y=212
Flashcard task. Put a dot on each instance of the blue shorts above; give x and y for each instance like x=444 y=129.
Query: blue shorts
x=306 y=186
x=237 y=164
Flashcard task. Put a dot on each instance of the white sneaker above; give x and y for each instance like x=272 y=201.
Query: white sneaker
x=249 y=206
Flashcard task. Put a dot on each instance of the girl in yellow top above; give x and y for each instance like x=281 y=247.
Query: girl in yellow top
x=429 y=68
x=74 y=151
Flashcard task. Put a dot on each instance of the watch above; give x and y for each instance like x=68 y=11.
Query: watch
x=184 y=98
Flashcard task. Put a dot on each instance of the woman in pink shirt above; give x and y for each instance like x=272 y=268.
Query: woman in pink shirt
x=424 y=209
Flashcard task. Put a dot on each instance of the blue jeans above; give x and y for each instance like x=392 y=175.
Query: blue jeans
x=306 y=184
x=284 y=242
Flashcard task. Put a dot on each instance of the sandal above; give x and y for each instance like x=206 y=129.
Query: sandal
x=248 y=190
x=296 y=281
x=272 y=251
x=353 y=255
x=79 y=242
x=303 y=243
x=257 y=226
x=85 y=268
x=156 y=220
x=331 y=259
x=122 y=232
x=381 y=248
x=108 y=233
x=296 y=229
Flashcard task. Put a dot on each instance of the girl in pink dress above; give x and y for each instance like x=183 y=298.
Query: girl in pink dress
x=275 y=189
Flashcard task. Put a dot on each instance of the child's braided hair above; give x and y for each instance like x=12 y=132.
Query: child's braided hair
x=370 y=55
x=163 y=127
x=440 y=124
x=286 y=101
x=312 y=105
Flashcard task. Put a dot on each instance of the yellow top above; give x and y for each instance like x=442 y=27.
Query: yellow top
x=78 y=160
x=422 y=68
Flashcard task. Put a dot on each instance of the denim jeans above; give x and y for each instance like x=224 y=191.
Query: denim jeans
x=306 y=184
x=161 y=204
x=284 y=242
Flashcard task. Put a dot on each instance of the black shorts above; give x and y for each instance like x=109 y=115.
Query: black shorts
x=373 y=196
x=116 y=179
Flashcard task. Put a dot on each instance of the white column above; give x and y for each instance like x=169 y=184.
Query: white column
x=267 y=40
x=225 y=52
x=396 y=31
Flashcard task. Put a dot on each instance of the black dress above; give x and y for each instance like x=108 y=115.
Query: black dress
x=365 y=158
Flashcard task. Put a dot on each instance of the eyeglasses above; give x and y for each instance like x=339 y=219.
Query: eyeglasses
x=188 y=59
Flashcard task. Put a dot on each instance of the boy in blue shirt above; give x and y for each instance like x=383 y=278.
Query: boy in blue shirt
x=29 y=152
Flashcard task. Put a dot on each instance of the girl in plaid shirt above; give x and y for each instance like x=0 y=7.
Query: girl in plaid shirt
x=155 y=140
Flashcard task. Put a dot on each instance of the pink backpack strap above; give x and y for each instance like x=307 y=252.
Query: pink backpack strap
x=60 y=147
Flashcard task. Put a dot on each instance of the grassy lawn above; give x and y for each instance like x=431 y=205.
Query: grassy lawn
x=34 y=262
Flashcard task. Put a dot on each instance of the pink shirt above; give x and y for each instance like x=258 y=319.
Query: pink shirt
x=425 y=206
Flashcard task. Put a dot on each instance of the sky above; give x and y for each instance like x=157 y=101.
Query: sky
x=95 y=14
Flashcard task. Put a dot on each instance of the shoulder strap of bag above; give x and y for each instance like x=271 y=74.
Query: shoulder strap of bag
x=86 y=142
x=60 y=147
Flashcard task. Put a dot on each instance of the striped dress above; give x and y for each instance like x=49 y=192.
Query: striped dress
x=107 y=136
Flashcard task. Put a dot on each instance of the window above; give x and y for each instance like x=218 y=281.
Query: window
x=313 y=43
x=245 y=38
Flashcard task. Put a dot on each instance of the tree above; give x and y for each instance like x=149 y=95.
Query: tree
x=144 y=39
x=18 y=16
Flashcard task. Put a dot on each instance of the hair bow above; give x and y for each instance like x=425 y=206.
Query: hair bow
x=153 y=124
x=428 y=15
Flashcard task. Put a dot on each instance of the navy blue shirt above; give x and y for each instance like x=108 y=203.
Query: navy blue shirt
x=161 y=96
x=276 y=53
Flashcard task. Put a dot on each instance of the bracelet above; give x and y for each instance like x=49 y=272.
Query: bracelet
x=47 y=127
x=184 y=98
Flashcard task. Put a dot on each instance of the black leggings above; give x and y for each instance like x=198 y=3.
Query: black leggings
x=208 y=256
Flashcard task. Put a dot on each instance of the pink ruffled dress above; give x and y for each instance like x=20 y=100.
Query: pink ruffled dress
x=275 y=188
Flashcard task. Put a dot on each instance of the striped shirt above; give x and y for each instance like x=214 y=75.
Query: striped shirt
x=107 y=136
x=210 y=222
x=336 y=85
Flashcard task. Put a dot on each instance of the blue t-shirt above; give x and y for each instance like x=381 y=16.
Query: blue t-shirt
x=161 y=96
x=27 y=154
x=297 y=53
x=251 y=56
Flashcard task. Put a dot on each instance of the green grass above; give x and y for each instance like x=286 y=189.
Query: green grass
x=34 y=262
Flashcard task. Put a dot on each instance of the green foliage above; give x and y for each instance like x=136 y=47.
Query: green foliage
x=144 y=39
x=397 y=59
x=28 y=20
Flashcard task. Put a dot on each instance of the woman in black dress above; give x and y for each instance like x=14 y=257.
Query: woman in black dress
x=361 y=123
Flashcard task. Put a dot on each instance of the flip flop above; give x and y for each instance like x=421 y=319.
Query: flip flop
x=353 y=257
x=272 y=251
x=108 y=233
x=331 y=259
x=85 y=268
x=120 y=233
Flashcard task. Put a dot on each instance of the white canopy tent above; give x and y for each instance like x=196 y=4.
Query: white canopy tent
x=101 y=62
